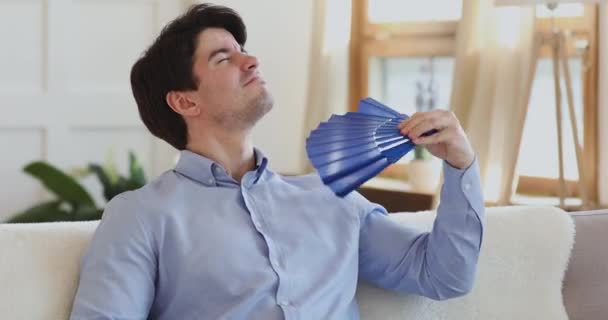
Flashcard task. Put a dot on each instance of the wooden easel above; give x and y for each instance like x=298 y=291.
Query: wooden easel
x=557 y=42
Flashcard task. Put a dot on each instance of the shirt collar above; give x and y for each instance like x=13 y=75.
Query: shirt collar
x=201 y=169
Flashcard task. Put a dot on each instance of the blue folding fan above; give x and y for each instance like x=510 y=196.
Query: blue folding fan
x=347 y=150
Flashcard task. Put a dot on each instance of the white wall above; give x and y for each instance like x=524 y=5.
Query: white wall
x=603 y=106
x=279 y=34
x=65 y=95
x=64 y=89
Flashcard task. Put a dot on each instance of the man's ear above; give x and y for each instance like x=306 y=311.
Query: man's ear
x=182 y=103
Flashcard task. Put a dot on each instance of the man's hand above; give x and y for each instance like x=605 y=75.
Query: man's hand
x=449 y=143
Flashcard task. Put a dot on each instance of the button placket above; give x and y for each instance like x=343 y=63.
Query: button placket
x=274 y=253
x=250 y=204
x=276 y=262
x=466 y=182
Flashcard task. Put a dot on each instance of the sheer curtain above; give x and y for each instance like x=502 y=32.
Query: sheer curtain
x=328 y=83
x=603 y=105
x=492 y=73
x=494 y=57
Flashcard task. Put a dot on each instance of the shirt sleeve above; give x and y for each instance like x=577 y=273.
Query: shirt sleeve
x=440 y=264
x=118 y=270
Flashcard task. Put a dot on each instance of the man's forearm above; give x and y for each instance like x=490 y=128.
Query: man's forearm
x=454 y=245
x=440 y=264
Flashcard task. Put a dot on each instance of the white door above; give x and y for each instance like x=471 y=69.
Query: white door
x=65 y=95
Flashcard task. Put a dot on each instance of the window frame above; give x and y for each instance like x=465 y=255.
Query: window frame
x=438 y=38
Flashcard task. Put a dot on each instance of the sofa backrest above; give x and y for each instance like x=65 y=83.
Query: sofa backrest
x=39 y=266
x=39 y=269
x=522 y=263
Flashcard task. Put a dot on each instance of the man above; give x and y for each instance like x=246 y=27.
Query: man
x=224 y=237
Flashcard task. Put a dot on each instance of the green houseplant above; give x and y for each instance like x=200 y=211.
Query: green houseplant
x=421 y=153
x=72 y=201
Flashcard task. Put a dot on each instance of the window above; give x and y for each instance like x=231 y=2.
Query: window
x=394 y=41
x=396 y=11
x=562 y=11
x=395 y=80
x=399 y=46
x=402 y=81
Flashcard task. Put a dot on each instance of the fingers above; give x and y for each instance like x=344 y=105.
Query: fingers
x=424 y=122
x=426 y=126
x=448 y=133
x=406 y=126
x=439 y=137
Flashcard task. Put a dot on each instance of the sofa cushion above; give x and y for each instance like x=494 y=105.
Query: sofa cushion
x=523 y=259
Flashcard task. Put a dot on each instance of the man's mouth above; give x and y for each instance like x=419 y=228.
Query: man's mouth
x=253 y=79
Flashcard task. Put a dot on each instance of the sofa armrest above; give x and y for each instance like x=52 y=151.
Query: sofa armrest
x=586 y=280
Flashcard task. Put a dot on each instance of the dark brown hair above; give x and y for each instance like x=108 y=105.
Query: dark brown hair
x=167 y=66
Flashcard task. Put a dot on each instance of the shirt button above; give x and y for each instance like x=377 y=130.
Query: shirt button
x=211 y=181
x=284 y=303
x=467 y=186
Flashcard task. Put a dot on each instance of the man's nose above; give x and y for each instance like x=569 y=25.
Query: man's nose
x=249 y=63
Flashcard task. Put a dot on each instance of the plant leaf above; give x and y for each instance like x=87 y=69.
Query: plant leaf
x=79 y=172
x=103 y=177
x=87 y=213
x=44 y=212
x=61 y=184
x=110 y=167
x=118 y=188
x=137 y=178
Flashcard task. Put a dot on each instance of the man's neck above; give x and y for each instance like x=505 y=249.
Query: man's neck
x=232 y=151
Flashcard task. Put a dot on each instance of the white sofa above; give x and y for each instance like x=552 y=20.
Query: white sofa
x=522 y=265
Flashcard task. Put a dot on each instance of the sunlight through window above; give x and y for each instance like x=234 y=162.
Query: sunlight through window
x=383 y=11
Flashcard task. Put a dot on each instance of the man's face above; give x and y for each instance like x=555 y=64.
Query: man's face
x=231 y=90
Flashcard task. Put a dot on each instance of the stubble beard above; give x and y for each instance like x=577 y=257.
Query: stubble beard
x=246 y=118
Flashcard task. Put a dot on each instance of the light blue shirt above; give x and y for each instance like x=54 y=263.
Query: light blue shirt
x=196 y=244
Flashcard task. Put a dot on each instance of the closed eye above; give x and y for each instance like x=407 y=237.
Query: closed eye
x=221 y=51
x=226 y=52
